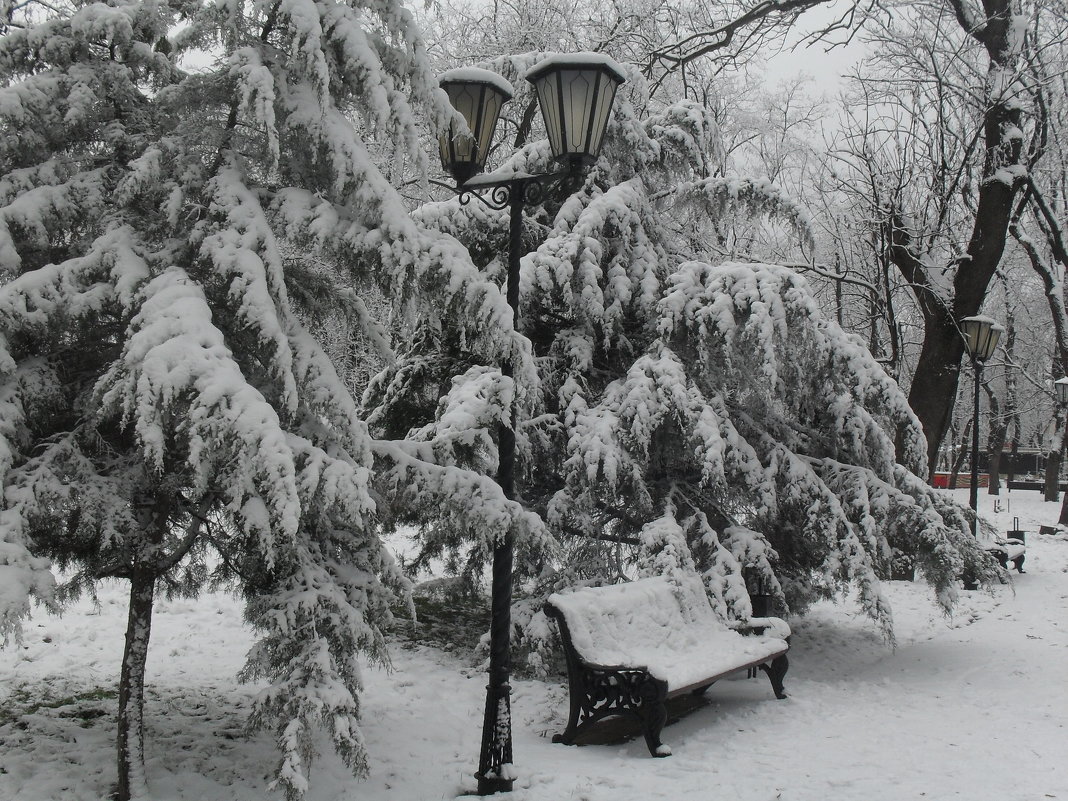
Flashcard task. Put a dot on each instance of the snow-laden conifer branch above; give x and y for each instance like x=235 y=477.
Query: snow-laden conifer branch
x=456 y=508
x=176 y=367
x=722 y=198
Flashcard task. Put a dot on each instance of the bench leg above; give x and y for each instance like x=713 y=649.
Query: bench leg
x=653 y=714
x=776 y=673
x=567 y=737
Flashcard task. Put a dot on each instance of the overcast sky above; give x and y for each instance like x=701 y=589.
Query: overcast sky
x=825 y=67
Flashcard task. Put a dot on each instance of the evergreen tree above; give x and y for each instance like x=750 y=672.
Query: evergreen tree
x=165 y=415
x=680 y=392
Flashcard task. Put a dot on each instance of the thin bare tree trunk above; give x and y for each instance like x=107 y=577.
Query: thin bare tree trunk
x=1014 y=451
x=1053 y=470
x=131 y=739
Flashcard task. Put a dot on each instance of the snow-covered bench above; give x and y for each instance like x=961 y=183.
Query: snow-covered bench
x=1006 y=551
x=630 y=647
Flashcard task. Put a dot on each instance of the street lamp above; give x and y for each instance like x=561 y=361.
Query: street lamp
x=981 y=335
x=575 y=93
x=1062 y=389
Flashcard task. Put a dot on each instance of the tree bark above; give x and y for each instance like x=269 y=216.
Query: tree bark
x=131 y=739
x=962 y=453
x=1053 y=471
x=934 y=384
x=995 y=443
x=998 y=427
x=1014 y=450
x=1053 y=463
x=1012 y=404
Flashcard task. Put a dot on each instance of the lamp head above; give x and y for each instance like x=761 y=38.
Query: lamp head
x=478 y=95
x=576 y=92
x=981 y=335
x=1061 y=385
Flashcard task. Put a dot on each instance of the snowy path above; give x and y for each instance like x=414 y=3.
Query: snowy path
x=974 y=707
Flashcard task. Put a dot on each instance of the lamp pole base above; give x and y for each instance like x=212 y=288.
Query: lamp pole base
x=491 y=785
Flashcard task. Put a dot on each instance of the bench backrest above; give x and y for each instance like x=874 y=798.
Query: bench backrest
x=608 y=624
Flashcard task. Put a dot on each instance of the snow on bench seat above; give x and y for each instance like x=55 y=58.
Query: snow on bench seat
x=629 y=647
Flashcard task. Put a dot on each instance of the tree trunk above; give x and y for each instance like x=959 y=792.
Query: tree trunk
x=1012 y=420
x=995 y=443
x=994 y=467
x=934 y=384
x=1053 y=463
x=1014 y=451
x=131 y=739
x=1053 y=471
x=962 y=452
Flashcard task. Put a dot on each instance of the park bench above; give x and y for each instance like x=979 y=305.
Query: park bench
x=631 y=647
x=1010 y=549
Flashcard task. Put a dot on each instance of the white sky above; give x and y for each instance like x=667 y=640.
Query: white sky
x=824 y=66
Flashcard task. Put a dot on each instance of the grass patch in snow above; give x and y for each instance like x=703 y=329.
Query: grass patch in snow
x=447 y=617
x=23 y=702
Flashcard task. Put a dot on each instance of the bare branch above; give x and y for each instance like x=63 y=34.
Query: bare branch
x=681 y=52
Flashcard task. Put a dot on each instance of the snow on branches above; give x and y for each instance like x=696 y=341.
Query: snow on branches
x=698 y=411
x=165 y=412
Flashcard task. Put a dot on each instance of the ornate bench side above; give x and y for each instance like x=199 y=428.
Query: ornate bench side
x=777 y=667
x=599 y=691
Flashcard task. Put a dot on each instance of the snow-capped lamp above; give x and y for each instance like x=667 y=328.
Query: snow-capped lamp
x=576 y=92
x=478 y=95
x=981 y=335
x=1061 y=384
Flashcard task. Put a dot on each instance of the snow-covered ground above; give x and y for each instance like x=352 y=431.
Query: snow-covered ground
x=969 y=707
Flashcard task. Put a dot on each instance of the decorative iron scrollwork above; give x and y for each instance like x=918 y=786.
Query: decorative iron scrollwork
x=528 y=190
x=600 y=691
x=607 y=692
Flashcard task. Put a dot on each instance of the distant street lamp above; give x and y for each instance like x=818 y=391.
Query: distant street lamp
x=575 y=93
x=981 y=335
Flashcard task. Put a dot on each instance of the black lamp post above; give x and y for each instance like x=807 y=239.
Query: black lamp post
x=575 y=93
x=981 y=335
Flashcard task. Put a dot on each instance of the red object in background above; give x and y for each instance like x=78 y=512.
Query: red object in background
x=964 y=480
